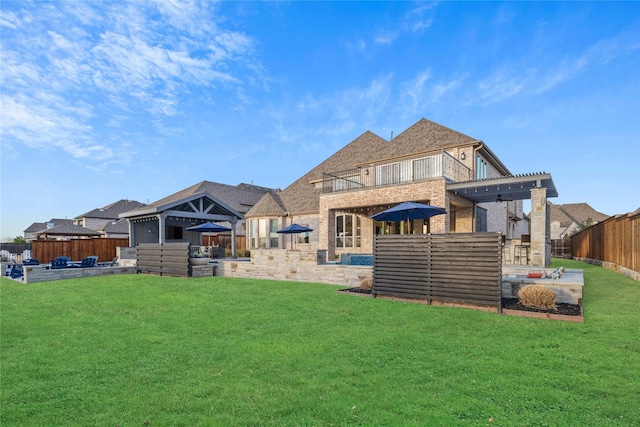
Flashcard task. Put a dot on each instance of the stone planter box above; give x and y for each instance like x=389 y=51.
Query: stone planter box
x=199 y=261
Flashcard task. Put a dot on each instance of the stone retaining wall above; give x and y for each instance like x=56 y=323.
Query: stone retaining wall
x=568 y=288
x=293 y=265
x=35 y=273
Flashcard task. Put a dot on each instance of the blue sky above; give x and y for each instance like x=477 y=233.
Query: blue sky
x=109 y=100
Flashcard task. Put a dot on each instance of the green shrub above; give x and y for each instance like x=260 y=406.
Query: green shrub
x=537 y=296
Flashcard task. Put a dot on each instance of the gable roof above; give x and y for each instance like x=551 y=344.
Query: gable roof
x=238 y=198
x=578 y=213
x=68 y=230
x=120 y=226
x=113 y=210
x=423 y=137
x=39 y=226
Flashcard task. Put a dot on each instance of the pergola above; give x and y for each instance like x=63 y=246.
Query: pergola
x=163 y=222
x=534 y=186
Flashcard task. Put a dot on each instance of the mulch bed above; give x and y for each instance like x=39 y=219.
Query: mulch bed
x=508 y=303
x=561 y=308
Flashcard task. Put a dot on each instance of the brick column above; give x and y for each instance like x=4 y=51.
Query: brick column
x=540 y=256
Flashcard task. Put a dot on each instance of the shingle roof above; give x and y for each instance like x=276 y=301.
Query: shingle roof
x=113 y=210
x=424 y=136
x=579 y=213
x=239 y=197
x=39 y=226
x=69 y=230
x=120 y=226
x=582 y=212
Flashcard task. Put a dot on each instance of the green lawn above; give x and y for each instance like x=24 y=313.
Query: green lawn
x=145 y=350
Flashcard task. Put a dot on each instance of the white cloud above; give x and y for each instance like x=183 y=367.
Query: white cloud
x=65 y=63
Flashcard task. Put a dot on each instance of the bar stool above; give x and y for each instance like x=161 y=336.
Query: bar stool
x=522 y=250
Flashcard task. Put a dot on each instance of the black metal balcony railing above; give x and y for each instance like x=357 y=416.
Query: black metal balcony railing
x=403 y=171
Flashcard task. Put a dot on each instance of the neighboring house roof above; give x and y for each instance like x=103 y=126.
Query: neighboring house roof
x=578 y=213
x=68 y=230
x=239 y=197
x=120 y=226
x=113 y=210
x=582 y=212
x=39 y=226
x=423 y=137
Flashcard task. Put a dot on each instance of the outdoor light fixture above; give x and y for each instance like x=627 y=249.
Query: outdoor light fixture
x=463 y=156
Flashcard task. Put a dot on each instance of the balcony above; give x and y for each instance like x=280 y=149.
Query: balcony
x=441 y=165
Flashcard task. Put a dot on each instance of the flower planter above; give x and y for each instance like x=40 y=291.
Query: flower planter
x=199 y=261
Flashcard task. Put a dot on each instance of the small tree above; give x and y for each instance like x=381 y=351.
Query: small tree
x=586 y=224
x=19 y=239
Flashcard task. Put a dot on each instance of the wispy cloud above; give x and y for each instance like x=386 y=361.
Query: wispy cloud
x=65 y=64
x=530 y=78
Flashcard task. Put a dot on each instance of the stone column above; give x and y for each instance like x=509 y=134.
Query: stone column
x=234 y=251
x=540 y=257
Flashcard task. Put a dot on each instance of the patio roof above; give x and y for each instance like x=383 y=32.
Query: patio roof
x=515 y=187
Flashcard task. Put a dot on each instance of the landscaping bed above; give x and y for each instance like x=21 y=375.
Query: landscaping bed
x=512 y=307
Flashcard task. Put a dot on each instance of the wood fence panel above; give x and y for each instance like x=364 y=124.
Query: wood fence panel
x=615 y=240
x=77 y=249
x=164 y=259
x=458 y=267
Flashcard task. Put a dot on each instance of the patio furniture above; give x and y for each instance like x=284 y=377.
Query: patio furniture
x=14 y=271
x=58 y=263
x=522 y=250
x=90 y=261
x=31 y=262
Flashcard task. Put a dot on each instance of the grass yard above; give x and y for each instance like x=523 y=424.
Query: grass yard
x=158 y=351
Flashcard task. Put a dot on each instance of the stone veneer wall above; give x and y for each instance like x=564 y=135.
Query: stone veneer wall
x=298 y=266
x=34 y=274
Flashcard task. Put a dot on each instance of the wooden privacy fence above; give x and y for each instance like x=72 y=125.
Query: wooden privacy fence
x=77 y=249
x=561 y=248
x=454 y=268
x=615 y=240
x=164 y=259
x=224 y=241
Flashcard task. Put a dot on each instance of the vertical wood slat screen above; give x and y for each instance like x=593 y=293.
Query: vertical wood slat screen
x=164 y=259
x=456 y=267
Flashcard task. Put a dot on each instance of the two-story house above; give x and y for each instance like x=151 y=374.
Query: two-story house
x=427 y=163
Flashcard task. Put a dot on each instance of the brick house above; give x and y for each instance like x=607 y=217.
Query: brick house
x=427 y=163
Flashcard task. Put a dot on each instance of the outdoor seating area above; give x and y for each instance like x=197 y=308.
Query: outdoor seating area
x=65 y=262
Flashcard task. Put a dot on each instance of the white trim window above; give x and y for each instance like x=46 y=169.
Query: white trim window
x=348 y=231
x=481 y=168
x=263 y=233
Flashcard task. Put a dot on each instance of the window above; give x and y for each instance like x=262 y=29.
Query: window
x=173 y=233
x=481 y=219
x=273 y=233
x=348 y=231
x=263 y=233
x=303 y=238
x=481 y=168
x=388 y=174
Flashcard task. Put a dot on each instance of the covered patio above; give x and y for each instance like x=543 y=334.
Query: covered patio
x=536 y=187
x=168 y=222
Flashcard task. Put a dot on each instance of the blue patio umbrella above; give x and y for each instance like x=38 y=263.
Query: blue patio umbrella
x=294 y=229
x=208 y=227
x=408 y=211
